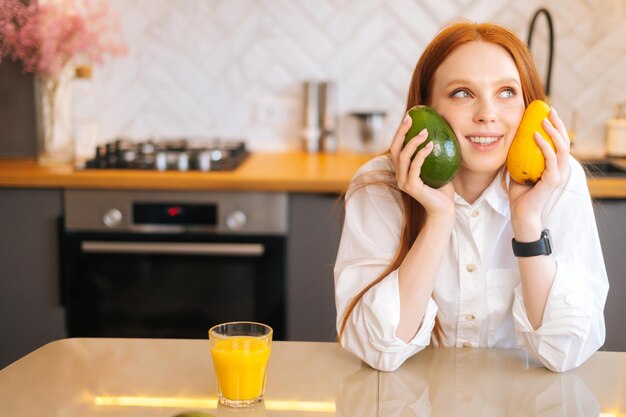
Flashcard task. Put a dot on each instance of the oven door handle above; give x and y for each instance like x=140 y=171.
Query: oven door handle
x=174 y=248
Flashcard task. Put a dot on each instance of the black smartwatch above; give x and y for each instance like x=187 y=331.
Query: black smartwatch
x=543 y=246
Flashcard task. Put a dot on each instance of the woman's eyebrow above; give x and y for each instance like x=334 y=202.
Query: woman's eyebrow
x=470 y=82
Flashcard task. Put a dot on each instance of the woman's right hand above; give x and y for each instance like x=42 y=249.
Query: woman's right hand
x=438 y=202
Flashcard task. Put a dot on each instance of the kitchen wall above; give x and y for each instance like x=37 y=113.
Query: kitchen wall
x=234 y=68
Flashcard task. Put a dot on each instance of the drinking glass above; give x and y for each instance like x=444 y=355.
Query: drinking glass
x=240 y=352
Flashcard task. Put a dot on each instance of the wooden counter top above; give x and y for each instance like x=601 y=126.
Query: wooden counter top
x=284 y=171
x=165 y=377
x=614 y=188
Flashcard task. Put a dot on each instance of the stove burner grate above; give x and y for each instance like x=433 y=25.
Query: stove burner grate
x=171 y=155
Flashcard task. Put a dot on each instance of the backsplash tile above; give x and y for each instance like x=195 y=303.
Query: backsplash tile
x=234 y=68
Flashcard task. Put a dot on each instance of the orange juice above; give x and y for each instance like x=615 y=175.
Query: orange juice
x=240 y=365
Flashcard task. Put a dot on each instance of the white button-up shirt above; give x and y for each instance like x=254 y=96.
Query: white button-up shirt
x=477 y=294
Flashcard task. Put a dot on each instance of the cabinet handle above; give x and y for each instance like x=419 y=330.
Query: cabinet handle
x=173 y=248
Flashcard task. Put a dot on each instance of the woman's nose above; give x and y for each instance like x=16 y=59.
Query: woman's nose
x=485 y=112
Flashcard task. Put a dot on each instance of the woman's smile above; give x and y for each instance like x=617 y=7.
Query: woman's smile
x=484 y=141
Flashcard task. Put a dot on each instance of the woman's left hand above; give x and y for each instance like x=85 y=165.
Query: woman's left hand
x=527 y=201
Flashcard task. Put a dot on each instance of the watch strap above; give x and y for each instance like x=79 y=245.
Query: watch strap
x=543 y=246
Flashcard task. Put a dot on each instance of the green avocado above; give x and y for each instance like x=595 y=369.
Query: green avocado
x=443 y=162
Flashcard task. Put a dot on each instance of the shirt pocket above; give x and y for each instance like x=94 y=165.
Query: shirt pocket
x=501 y=285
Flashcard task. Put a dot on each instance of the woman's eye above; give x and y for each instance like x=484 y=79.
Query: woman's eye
x=462 y=93
x=508 y=93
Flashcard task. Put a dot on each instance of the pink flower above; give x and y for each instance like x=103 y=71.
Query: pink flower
x=46 y=36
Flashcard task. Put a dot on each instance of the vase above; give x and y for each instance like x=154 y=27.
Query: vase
x=55 y=143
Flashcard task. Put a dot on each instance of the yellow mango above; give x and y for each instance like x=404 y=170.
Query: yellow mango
x=525 y=161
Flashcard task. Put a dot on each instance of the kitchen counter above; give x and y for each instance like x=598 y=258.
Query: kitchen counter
x=164 y=377
x=287 y=171
x=284 y=171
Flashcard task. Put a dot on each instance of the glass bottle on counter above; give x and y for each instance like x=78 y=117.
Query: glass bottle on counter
x=85 y=127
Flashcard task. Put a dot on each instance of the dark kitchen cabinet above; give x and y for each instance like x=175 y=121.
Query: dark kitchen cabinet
x=30 y=312
x=314 y=233
x=611 y=219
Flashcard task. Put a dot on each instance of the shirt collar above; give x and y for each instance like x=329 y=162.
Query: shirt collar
x=495 y=195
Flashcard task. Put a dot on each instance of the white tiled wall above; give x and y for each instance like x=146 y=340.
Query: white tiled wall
x=234 y=68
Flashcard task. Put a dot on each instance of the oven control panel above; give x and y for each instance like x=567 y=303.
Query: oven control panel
x=156 y=211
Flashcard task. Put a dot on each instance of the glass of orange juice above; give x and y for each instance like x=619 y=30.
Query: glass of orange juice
x=240 y=352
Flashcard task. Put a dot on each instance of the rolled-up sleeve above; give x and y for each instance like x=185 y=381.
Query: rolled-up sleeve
x=572 y=327
x=370 y=332
x=369 y=240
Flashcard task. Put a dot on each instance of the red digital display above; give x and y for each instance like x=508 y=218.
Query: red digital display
x=174 y=211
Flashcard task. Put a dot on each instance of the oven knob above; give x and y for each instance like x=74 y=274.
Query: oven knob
x=112 y=218
x=236 y=220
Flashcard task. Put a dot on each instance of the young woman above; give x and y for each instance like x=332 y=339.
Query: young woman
x=417 y=264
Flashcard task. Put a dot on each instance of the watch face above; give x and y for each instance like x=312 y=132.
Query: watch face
x=547 y=238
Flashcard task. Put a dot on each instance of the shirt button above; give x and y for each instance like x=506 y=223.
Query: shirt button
x=470 y=317
x=470 y=267
x=467 y=345
x=475 y=213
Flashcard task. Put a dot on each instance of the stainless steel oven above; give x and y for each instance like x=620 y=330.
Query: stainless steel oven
x=172 y=264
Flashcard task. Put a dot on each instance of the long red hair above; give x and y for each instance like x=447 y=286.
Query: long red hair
x=446 y=41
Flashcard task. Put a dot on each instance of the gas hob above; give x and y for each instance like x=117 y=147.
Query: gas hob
x=169 y=155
